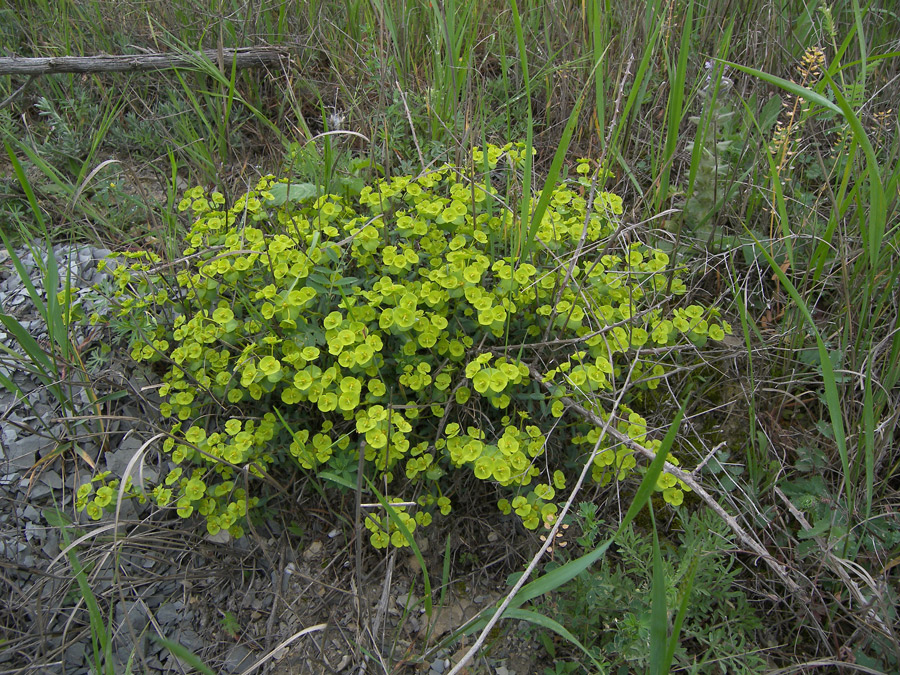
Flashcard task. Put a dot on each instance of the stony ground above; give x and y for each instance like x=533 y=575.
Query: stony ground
x=277 y=601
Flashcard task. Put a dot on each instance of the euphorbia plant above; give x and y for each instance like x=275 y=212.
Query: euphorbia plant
x=310 y=329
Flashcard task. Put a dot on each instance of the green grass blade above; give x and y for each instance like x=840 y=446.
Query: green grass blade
x=675 y=108
x=597 y=14
x=32 y=349
x=552 y=177
x=648 y=484
x=445 y=573
x=12 y=387
x=392 y=514
x=638 y=88
x=877 y=205
x=877 y=208
x=100 y=638
x=706 y=118
x=565 y=573
x=542 y=621
x=787 y=85
x=57 y=317
x=679 y=618
x=525 y=204
x=658 y=613
x=25 y=278
x=868 y=430
x=832 y=397
x=26 y=186
x=184 y=654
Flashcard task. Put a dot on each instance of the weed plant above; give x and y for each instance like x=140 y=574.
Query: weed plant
x=398 y=333
x=799 y=244
x=609 y=608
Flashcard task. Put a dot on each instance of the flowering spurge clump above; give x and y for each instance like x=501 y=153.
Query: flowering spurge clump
x=308 y=329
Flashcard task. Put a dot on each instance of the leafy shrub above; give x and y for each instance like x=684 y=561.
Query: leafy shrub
x=608 y=608
x=401 y=324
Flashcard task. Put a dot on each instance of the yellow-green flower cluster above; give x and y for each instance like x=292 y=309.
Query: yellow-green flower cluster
x=311 y=329
x=386 y=531
x=99 y=495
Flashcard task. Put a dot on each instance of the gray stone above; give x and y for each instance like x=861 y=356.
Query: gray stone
x=52 y=479
x=33 y=531
x=117 y=461
x=22 y=453
x=51 y=546
x=220 y=537
x=8 y=434
x=75 y=655
x=191 y=640
x=238 y=659
x=39 y=491
x=31 y=514
x=168 y=613
x=135 y=615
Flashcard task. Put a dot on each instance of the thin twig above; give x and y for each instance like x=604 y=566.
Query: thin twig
x=590 y=202
x=412 y=127
x=12 y=97
x=746 y=538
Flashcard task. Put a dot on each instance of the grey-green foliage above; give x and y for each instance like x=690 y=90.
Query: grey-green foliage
x=70 y=125
x=608 y=608
x=717 y=148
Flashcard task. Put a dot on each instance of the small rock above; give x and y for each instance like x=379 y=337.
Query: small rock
x=34 y=531
x=22 y=453
x=52 y=479
x=220 y=537
x=189 y=639
x=168 y=613
x=9 y=433
x=238 y=659
x=75 y=655
x=135 y=614
x=313 y=550
x=39 y=491
x=31 y=514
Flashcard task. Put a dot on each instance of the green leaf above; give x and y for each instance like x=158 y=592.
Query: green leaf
x=658 y=613
x=546 y=622
x=294 y=192
x=565 y=573
x=184 y=654
x=817 y=530
x=335 y=478
x=56 y=518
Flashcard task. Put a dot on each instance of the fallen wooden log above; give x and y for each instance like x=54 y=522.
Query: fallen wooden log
x=250 y=57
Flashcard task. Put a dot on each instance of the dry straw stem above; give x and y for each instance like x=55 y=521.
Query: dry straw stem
x=746 y=538
x=550 y=536
x=840 y=566
x=590 y=202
